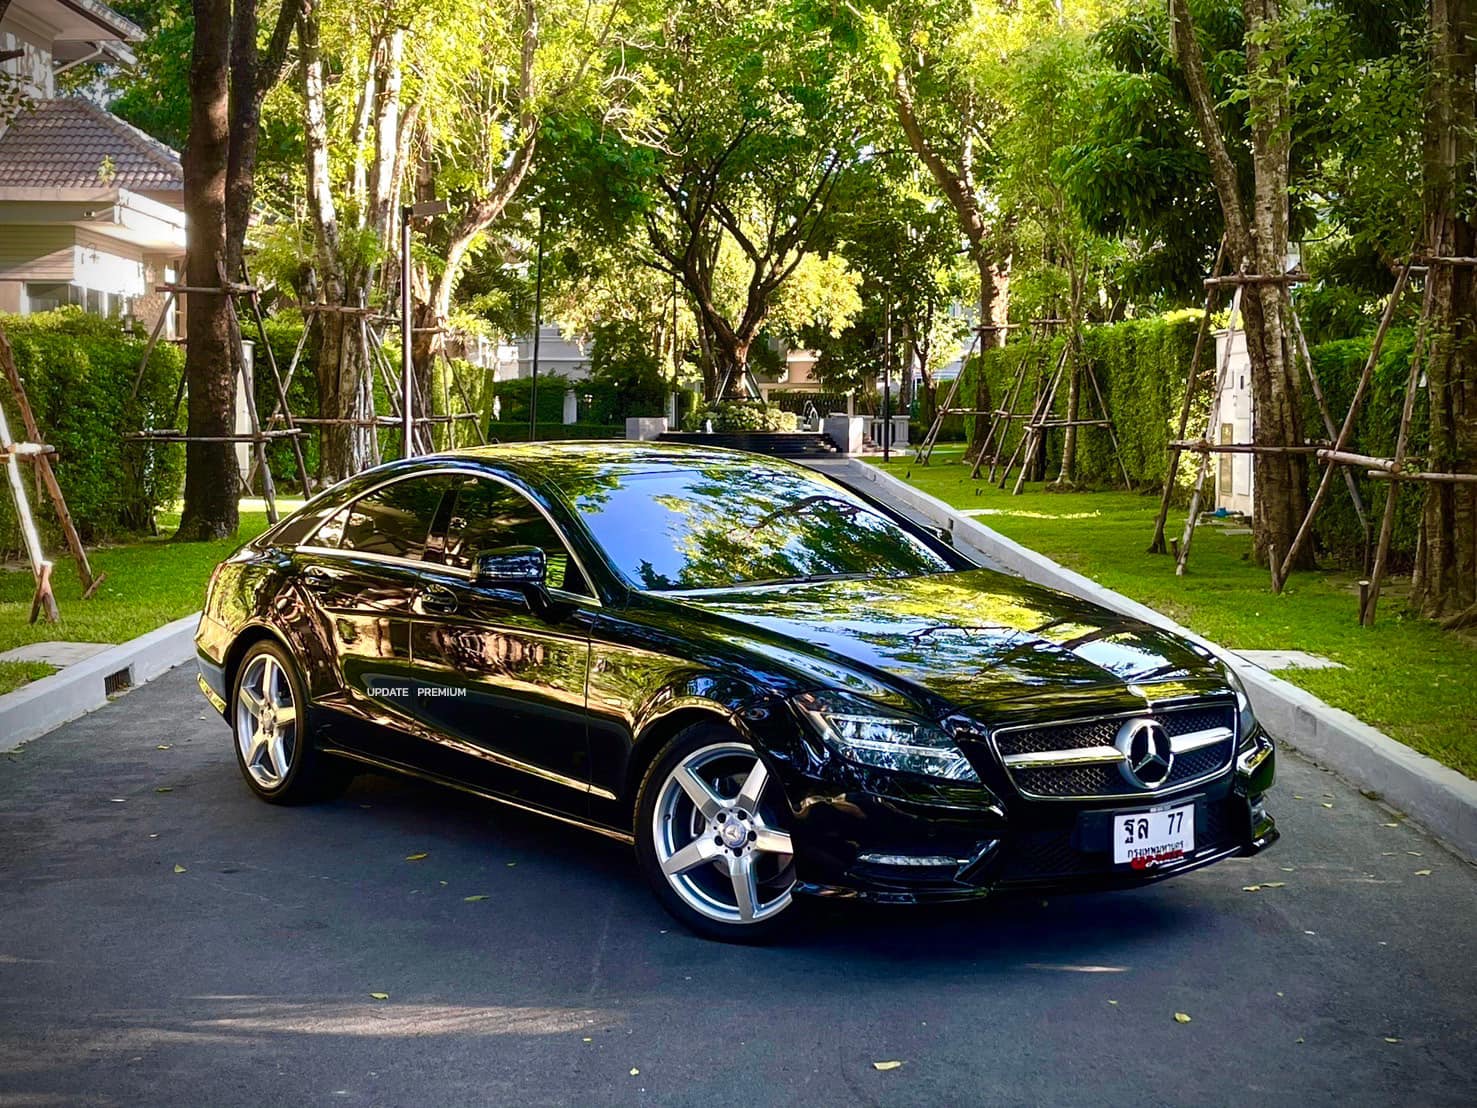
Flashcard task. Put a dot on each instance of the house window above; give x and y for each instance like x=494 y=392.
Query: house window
x=45 y=296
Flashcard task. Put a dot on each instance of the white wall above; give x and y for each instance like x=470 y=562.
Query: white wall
x=1233 y=472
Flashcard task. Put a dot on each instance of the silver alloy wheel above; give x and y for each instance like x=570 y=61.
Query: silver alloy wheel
x=713 y=842
x=266 y=721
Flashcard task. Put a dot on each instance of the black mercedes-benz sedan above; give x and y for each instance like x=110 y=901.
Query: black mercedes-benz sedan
x=768 y=683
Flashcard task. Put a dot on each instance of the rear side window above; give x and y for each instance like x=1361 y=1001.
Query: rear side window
x=393 y=521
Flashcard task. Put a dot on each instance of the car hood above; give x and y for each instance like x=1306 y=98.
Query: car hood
x=977 y=640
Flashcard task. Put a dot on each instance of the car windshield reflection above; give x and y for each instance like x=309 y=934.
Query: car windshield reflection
x=715 y=528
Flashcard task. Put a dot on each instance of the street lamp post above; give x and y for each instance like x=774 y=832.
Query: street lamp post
x=407 y=369
x=887 y=381
x=538 y=324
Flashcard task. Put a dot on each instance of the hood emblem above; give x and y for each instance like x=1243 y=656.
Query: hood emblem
x=1147 y=755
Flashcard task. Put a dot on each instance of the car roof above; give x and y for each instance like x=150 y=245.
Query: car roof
x=545 y=464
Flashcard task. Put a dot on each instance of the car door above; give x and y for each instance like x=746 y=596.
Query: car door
x=510 y=681
x=360 y=575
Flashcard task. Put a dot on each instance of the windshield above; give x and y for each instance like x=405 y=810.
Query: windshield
x=725 y=525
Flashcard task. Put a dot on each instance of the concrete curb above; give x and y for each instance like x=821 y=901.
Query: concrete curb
x=32 y=710
x=1440 y=799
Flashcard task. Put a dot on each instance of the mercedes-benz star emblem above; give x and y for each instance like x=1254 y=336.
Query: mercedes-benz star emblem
x=1147 y=757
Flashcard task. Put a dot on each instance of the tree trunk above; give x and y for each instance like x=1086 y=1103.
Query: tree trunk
x=212 y=480
x=344 y=392
x=994 y=288
x=1446 y=563
x=1257 y=241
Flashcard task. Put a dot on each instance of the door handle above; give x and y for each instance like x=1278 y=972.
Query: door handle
x=437 y=599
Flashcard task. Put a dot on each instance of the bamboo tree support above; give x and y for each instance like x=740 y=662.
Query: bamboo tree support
x=1369 y=599
x=254 y=299
x=1044 y=371
x=40 y=457
x=930 y=440
x=1004 y=416
x=1156 y=544
x=1041 y=422
x=1305 y=531
x=1182 y=554
x=1040 y=403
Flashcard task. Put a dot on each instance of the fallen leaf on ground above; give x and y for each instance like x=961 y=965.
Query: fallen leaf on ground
x=1296 y=797
x=415 y=857
x=1251 y=888
x=474 y=899
x=884 y=1066
x=1299 y=1039
x=1113 y=1002
x=1287 y=869
x=634 y=1071
x=163 y=746
x=165 y=789
x=1388 y=1039
x=588 y=1039
x=1326 y=804
x=116 y=799
x=1414 y=853
x=1181 y=1017
x=179 y=868
x=1392 y=825
x=1423 y=873
x=1279 y=994
x=379 y=996
x=1274 y=884
x=512 y=864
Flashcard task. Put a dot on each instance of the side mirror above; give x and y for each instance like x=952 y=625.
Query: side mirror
x=523 y=568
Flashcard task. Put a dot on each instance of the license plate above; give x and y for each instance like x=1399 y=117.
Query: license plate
x=1147 y=839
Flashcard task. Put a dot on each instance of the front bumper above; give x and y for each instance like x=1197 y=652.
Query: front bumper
x=874 y=836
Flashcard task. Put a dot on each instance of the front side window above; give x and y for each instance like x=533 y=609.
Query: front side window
x=488 y=515
x=714 y=527
x=393 y=521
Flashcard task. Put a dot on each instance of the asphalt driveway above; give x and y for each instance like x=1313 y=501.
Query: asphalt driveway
x=167 y=939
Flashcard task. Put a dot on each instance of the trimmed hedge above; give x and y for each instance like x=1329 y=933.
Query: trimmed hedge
x=509 y=431
x=78 y=372
x=1140 y=365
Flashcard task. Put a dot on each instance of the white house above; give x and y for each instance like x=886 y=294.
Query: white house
x=91 y=208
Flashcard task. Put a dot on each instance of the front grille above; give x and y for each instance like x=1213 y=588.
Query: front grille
x=1088 y=782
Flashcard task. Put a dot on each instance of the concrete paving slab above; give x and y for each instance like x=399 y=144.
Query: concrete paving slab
x=1287 y=659
x=59 y=654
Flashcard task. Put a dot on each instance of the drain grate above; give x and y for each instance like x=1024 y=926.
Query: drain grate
x=120 y=681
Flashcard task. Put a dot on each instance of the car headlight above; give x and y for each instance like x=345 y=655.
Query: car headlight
x=866 y=734
x=1246 y=724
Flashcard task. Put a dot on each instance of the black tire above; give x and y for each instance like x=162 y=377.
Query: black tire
x=692 y=742
x=311 y=775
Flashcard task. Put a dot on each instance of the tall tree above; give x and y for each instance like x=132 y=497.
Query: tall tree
x=229 y=76
x=359 y=126
x=753 y=119
x=1446 y=569
x=1256 y=238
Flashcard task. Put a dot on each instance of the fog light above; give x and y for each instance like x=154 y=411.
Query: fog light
x=911 y=860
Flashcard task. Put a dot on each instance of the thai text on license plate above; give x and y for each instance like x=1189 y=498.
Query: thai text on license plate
x=1146 y=839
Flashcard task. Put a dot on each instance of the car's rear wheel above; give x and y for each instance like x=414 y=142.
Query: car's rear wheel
x=711 y=840
x=274 y=750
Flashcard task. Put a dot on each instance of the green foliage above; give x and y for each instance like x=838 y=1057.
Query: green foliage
x=515 y=396
x=741 y=415
x=1140 y=365
x=79 y=372
x=625 y=374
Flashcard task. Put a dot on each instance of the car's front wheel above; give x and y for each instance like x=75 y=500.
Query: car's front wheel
x=710 y=837
x=274 y=751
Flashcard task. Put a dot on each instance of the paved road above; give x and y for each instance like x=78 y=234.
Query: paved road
x=246 y=978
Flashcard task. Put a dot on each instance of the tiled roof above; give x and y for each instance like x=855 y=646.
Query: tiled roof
x=72 y=143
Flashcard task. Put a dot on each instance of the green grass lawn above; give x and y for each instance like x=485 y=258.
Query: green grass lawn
x=1404 y=676
x=148 y=584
